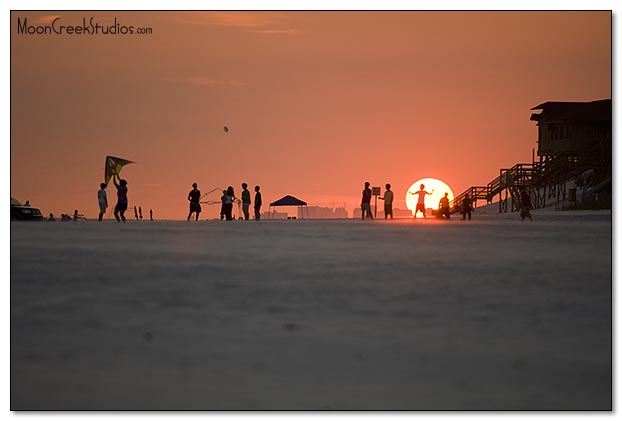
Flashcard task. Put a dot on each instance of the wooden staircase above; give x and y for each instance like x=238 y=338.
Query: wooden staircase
x=545 y=181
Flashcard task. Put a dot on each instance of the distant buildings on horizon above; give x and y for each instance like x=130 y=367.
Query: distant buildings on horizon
x=397 y=213
x=323 y=212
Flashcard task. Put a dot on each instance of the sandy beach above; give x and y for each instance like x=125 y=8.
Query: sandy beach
x=492 y=314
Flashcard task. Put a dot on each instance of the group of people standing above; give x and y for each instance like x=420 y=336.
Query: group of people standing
x=465 y=207
x=227 y=199
x=388 y=201
x=443 y=206
x=366 y=202
x=194 y=197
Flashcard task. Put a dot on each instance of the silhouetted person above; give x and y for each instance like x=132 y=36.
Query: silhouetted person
x=51 y=217
x=103 y=200
x=366 y=202
x=246 y=200
x=77 y=215
x=388 y=201
x=27 y=203
x=135 y=213
x=525 y=205
x=140 y=212
x=151 y=214
x=443 y=206
x=466 y=207
x=121 y=206
x=257 y=203
x=421 y=201
x=222 y=204
x=229 y=199
x=195 y=201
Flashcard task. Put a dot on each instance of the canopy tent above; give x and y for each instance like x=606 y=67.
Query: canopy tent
x=290 y=201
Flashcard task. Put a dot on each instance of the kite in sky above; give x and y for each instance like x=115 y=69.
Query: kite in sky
x=113 y=166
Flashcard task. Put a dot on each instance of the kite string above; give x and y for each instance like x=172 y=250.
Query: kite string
x=210 y=202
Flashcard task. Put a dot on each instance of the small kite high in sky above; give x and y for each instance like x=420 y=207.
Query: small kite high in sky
x=113 y=166
x=226 y=129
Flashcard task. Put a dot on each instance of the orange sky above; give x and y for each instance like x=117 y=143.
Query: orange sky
x=317 y=102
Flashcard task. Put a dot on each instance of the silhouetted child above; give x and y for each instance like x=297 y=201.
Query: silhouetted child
x=140 y=212
x=258 y=203
x=466 y=207
x=151 y=214
x=51 y=217
x=229 y=199
x=246 y=200
x=443 y=207
x=77 y=215
x=195 y=201
x=525 y=205
x=421 y=200
x=121 y=206
x=222 y=204
x=366 y=202
x=388 y=201
x=103 y=200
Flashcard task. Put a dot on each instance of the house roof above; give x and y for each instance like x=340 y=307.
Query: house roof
x=575 y=111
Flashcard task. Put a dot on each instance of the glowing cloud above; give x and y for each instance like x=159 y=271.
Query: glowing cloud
x=46 y=20
x=235 y=19
x=277 y=31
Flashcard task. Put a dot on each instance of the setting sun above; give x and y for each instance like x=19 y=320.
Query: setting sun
x=435 y=187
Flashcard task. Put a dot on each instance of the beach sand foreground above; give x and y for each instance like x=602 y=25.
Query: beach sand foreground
x=492 y=314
